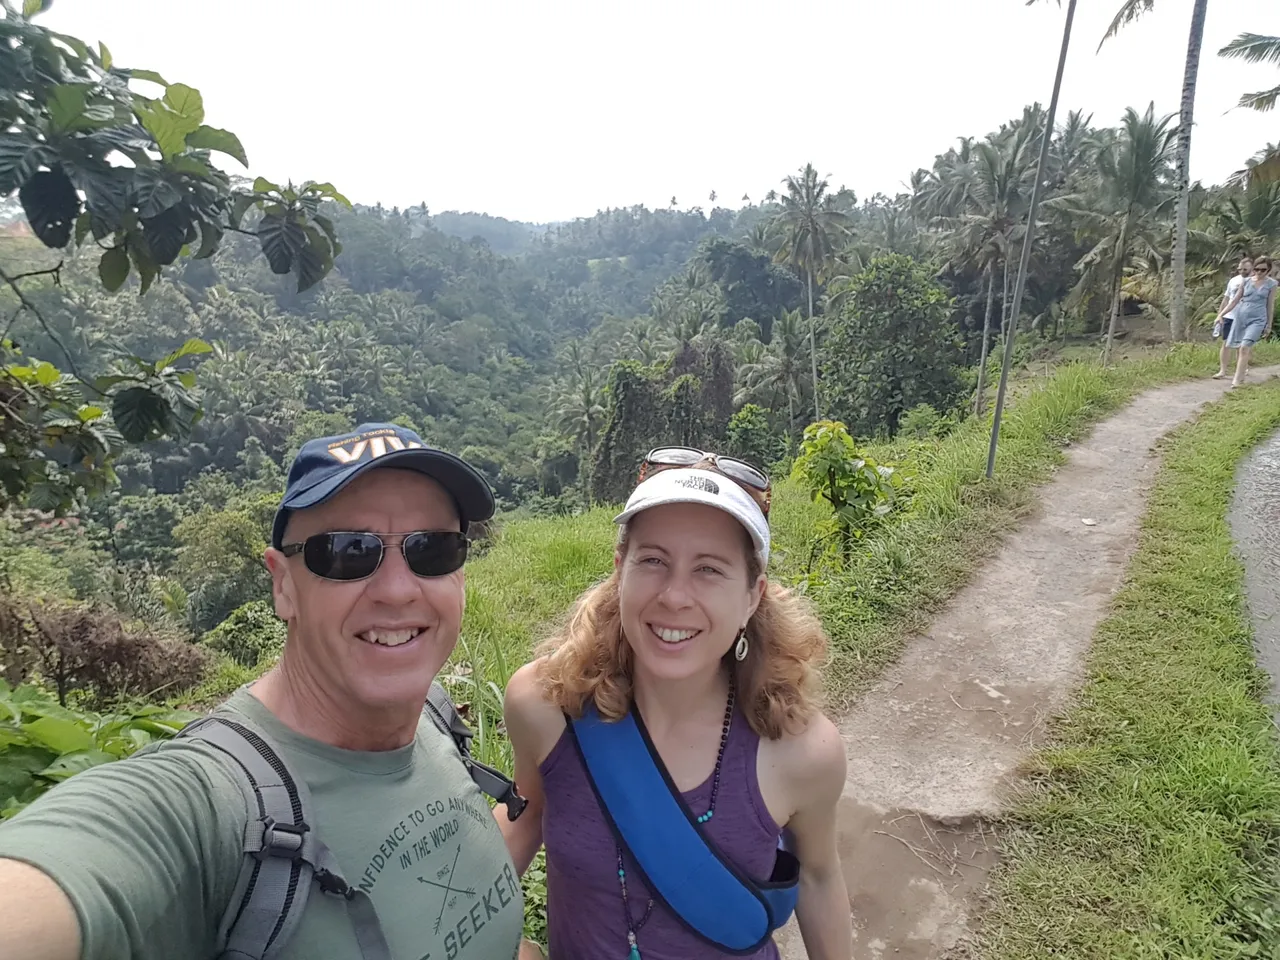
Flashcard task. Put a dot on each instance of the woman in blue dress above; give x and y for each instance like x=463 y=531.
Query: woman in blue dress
x=1255 y=312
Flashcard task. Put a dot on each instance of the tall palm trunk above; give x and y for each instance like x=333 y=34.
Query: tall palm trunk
x=1122 y=251
x=1178 y=315
x=813 y=346
x=791 y=418
x=1004 y=295
x=986 y=335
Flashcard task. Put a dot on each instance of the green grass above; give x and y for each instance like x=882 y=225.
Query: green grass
x=1150 y=826
x=898 y=581
x=529 y=577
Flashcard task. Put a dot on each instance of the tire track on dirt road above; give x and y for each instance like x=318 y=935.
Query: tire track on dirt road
x=933 y=746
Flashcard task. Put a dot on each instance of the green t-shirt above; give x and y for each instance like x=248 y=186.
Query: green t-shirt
x=149 y=849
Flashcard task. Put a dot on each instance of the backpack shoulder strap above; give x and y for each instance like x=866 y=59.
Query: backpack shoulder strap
x=282 y=854
x=439 y=707
x=712 y=898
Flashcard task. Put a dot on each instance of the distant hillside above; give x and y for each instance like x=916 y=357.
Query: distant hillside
x=506 y=237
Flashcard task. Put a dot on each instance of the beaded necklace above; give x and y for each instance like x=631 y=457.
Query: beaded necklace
x=632 y=927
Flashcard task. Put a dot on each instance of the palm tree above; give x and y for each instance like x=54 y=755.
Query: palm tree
x=1130 y=11
x=1134 y=193
x=1256 y=48
x=1262 y=167
x=811 y=229
x=998 y=187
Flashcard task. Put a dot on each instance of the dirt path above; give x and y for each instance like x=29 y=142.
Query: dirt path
x=932 y=746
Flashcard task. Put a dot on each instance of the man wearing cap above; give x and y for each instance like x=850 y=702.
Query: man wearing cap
x=140 y=858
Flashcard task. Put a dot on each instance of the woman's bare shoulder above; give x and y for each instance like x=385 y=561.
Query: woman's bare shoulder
x=813 y=757
x=530 y=716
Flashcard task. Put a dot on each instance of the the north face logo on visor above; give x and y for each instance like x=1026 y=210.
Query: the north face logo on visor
x=700 y=483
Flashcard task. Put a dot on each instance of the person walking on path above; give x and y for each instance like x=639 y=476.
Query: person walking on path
x=1222 y=328
x=670 y=743
x=149 y=858
x=1254 y=308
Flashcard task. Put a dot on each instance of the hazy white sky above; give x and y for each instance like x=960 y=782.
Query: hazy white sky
x=552 y=110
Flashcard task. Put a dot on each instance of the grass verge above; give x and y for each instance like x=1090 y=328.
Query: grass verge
x=1150 y=825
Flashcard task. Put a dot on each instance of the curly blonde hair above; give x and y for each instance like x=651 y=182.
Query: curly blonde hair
x=778 y=682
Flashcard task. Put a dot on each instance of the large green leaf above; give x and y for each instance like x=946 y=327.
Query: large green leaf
x=140 y=414
x=106 y=195
x=152 y=193
x=210 y=237
x=328 y=190
x=62 y=736
x=240 y=206
x=113 y=268
x=20 y=157
x=282 y=239
x=148 y=75
x=52 y=205
x=167 y=232
x=186 y=102
x=172 y=119
x=70 y=109
x=193 y=347
x=224 y=141
x=68 y=765
x=314 y=260
x=142 y=262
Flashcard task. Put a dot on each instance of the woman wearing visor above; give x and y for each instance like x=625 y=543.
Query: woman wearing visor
x=670 y=741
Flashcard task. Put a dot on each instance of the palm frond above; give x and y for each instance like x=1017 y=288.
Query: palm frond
x=1253 y=48
x=1261 y=101
x=1130 y=11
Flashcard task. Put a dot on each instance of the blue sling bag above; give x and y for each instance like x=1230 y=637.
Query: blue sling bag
x=712 y=898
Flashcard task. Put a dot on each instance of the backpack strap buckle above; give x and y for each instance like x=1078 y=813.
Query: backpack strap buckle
x=286 y=841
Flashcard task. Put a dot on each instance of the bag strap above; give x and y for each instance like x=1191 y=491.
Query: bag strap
x=711 y=897
x=282 y=855
x=439 y=707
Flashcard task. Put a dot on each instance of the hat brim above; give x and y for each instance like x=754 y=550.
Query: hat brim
x=694 y=496
x=464 y=483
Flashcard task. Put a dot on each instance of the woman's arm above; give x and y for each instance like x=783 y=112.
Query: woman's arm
x=532 y=729
x=1271 y=310
x=1231 y=306
x=818 y=763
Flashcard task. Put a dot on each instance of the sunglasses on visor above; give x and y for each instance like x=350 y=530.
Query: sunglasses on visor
x=752 y=479
x=354 y=555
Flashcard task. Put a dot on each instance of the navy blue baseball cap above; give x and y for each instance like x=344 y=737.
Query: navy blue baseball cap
x=327 y=464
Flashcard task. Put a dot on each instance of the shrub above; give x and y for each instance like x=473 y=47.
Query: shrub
x=923 y=422
x=250 y=635
x=859 y=490
x=750 y=437
x=43 y=742
x=88 y=648
x=892 y=346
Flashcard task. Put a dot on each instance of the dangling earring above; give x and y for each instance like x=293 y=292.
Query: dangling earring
x=740 y=648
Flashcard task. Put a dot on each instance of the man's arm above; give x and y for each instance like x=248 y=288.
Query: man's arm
x=135 y=858
x=818 y=762
x=37 y=921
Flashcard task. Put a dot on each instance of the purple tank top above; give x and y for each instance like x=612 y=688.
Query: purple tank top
x=585 y=920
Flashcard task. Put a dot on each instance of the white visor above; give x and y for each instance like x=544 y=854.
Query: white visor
x=702 y=486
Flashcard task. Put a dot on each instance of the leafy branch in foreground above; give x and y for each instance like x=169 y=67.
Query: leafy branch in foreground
x=43 y=743
x=94 y=161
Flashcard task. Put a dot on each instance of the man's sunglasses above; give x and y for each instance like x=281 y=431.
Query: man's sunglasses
x=751 y=478
x=345 y=555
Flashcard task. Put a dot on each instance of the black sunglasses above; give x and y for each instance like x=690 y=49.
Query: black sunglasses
x=750 y=477
x=351 y=555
